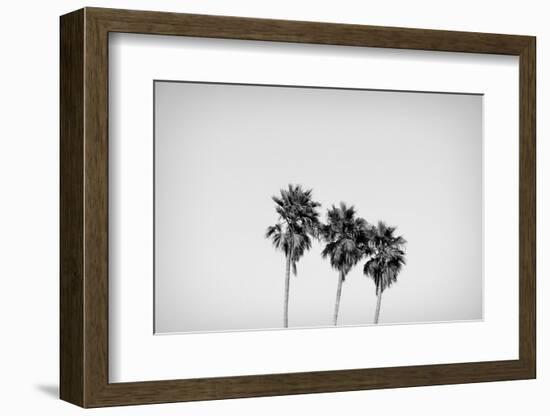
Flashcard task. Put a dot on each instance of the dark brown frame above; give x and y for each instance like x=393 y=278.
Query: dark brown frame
x=84 y=215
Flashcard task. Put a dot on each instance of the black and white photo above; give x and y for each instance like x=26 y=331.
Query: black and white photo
x=296 y=207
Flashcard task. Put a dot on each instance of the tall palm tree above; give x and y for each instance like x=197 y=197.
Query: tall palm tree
x=387 y=257
x=298 y=223
x=344 y=234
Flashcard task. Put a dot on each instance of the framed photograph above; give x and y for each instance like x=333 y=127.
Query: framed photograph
x=255 y=207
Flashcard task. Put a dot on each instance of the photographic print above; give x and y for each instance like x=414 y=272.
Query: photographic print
x=304 y=207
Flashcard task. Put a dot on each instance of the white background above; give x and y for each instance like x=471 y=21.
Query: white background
x=136 y=355
x=29 y=227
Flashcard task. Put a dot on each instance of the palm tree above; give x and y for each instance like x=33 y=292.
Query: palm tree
x=387 y=257
x=298 y=222
x=344 y=234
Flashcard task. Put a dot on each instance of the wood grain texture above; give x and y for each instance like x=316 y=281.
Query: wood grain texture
x=84 y=207
x=71 y=213
x=162 y=23
x=528 y=208
x=96 y=227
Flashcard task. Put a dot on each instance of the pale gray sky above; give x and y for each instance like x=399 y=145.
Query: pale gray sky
x=413 y=160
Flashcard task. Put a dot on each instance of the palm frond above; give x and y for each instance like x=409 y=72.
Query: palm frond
x=298 y=222
x=386 y=256
x=343 y=234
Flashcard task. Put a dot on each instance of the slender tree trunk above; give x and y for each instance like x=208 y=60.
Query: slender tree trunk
x=338 y=294
x=287 y=289
x=378 y=301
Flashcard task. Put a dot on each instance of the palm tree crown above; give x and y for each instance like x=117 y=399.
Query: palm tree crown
x=387 y=256
x=299 y=221
x=345 y=235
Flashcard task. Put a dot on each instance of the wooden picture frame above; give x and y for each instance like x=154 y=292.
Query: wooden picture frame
x=84 y=207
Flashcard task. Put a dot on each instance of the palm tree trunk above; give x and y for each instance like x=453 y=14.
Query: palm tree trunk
x=338 y=294
x=378 y=301
x=287 y=289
